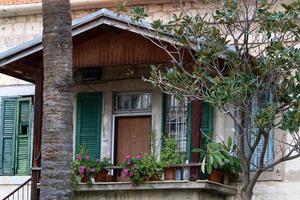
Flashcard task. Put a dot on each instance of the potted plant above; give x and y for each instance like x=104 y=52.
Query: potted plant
x=219 y=161
x=142 y=168
x=170 y=156
x=101 y=172
x=83 y=169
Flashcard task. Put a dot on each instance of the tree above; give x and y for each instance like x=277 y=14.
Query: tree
x=57 y=130
x=241 y=57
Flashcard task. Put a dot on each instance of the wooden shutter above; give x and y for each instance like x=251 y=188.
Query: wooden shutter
x=23 y=133
x=206 y=124
x=269 y=155
x=8 y=136
x=88 y=126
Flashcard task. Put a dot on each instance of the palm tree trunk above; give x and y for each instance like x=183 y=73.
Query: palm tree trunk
x=57 y=131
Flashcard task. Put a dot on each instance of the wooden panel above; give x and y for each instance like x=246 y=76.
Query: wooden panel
x=101 y=47
x=8 y=136
x=195 y=137
x=133 y=136
x=23 y=130
x=37 y=134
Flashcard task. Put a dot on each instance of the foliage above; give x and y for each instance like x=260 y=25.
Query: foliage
x=169 y=153
x=141 y=168
x=83 y=167
x=101 y=164
x=240 y=51
x=221 y=157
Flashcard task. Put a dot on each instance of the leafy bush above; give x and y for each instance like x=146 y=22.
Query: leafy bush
x=169 y=153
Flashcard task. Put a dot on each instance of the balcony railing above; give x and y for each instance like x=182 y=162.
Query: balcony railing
x=22 y=192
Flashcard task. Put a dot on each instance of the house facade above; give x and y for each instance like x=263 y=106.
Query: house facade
x=115 y=111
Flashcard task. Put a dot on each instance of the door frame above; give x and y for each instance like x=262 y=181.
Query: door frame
x=113 y=140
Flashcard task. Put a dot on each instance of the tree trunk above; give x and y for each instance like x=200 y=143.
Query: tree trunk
x=57 y=131
x=246 y=196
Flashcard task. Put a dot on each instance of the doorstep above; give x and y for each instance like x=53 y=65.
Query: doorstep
x=204 y=185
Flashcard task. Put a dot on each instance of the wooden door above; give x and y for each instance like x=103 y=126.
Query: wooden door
x=133 y=136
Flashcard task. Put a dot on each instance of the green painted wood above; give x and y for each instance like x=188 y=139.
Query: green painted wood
x=8 y=136
x=88 y=125
x=189 y=131
x=206 y=125
x=23 y=135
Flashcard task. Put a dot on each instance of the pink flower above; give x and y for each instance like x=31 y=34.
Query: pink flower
x=128 y=157
x=131 y=174
x=97 y=161
x=79 y=157
x=139 y=156
x=88 y=158
x=125 y=172
x=82 y=169
x=93 y=170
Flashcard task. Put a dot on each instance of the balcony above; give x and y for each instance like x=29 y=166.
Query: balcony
x=115 y=188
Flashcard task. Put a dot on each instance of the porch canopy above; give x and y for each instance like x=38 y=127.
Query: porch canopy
x=100 y=39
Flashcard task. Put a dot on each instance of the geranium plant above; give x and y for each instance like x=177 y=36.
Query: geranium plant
x=101 y=164
x=142 y=168
x=84 y=168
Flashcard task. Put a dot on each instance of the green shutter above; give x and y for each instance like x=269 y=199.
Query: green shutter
x=8 y=136
x=269 y=154
x=189 y=131
x=23 y=134
x=206 y=124
x=88 y=126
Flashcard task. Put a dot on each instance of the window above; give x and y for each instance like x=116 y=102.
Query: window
x=177 y=121
x=15 y=136
x=133 y=102
x=259 y=103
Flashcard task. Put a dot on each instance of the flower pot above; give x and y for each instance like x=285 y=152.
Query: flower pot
x=84 y=179
x=102 y=176
x=155 y=178
x=216 y=176
x=110 y=178
x=170 y=173
x=226 y=179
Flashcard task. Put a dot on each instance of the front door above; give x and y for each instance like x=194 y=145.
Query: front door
x=133 y=136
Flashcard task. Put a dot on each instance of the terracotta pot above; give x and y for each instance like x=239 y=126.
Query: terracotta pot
x=101 y=176
x=110 y=178
x=152 y=179
x=170 y=173
x=84 y=179
x=216 y=176
x=226 y=179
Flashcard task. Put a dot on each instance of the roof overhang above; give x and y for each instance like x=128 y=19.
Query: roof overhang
x=81 y=25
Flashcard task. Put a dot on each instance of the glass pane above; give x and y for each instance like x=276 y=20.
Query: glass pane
x=24 y=110
x=133 y=102
x=176 y=121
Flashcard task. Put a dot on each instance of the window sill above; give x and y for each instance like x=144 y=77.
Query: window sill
x=160 y=185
